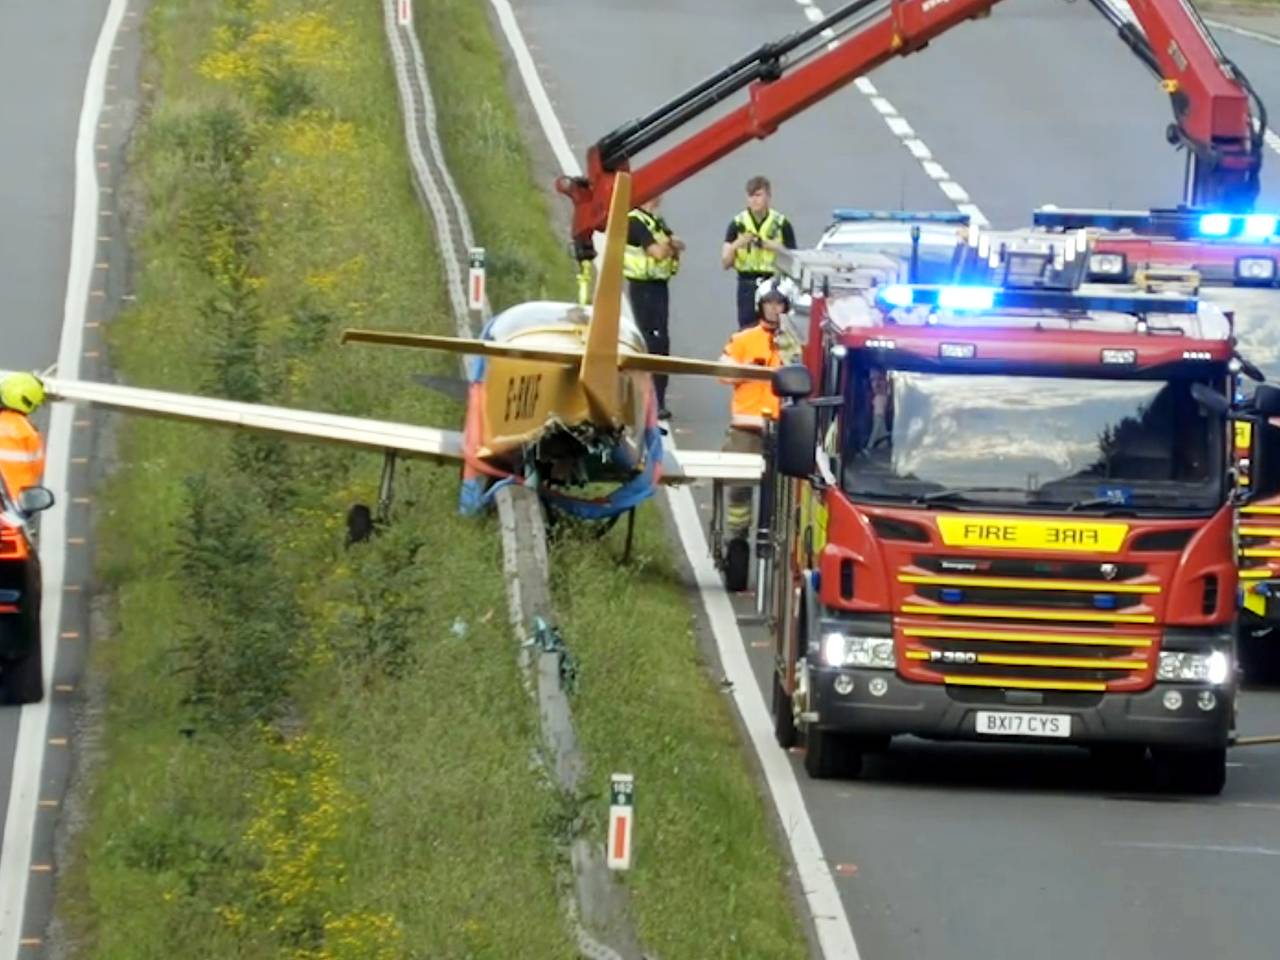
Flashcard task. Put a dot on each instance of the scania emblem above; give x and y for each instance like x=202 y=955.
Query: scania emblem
x=1109 y=571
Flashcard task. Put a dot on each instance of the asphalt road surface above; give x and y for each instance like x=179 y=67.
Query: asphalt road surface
x=957 y=852
x=45 y=52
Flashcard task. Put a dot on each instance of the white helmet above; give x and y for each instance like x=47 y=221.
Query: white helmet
x=782 y=287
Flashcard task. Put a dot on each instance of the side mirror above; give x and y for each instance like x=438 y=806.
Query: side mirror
x=1266 y=400
x=1249 y=369
x=35 y=499
x=792 y=382
x=1210 y=399
x=797 y=440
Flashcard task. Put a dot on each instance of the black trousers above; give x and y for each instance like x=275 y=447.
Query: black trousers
x=651 y=304
x=747 y=298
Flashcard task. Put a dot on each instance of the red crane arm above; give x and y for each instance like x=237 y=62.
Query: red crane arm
x=1210 y=96
x=886 y=29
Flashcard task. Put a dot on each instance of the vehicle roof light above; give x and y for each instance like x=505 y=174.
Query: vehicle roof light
x=1017 y=298
x=1259 y=226
x=1215 y=224
x=854 y=215
x=966 y=298
x=898 y=295
x=1126 y=357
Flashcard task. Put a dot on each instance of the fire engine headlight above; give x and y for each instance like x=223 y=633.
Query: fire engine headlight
x=1212 y=667
x=1106 y=266
x=843 y=650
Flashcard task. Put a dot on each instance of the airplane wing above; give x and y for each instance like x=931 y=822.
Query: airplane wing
x=655 y=363
x=375 y=435
x=686 y=466
x=475 y=348
x=648 y=362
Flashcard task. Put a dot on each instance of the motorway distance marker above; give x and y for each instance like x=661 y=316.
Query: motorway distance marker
x=622 y=792
x=476 y=279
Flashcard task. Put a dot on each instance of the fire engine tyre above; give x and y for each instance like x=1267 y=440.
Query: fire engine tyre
x=828 y=755
x=784 y=718
x=737 y=565
x=1200 y=772
x=22 y=680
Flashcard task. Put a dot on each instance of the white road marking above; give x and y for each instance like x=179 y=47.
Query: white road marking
x=1197 y=848
x=901 y=128
x=835 y=936
x=1244 y=32
x=33 y=722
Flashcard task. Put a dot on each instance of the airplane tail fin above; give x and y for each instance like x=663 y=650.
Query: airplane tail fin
x=599 y=371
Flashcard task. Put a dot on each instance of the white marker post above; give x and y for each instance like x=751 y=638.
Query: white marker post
x=622 y=820
x=404 y=12
x=476 y=280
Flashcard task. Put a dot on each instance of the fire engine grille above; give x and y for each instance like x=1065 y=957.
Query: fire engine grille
x=976 y=655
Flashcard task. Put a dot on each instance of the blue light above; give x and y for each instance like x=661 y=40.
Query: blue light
x=1104 y=601
x=1215 y=224
x=898 y=295
x=967 y=298
x=1259 y=225
x=951 y=595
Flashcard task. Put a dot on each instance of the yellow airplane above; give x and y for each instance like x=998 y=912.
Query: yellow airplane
x=559 y=395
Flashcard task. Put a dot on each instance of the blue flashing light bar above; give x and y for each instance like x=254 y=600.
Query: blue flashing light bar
x=1183 y=223
x=851 y=215
x=980 y=299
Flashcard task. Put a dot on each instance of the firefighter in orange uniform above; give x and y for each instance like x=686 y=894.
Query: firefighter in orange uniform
x=21 y=447
x=767 y=344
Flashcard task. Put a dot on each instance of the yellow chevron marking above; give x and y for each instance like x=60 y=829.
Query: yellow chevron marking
x=1016 y=583
x=1010 y=660
x=1260 y=531
x=1086 y=616
x=1018 y=683
x=949 y=633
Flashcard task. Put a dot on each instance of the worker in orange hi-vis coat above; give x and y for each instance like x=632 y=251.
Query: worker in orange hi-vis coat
x=21 y=446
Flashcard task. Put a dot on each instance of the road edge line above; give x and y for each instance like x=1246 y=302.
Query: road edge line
x=826 y=909
x=33 y=722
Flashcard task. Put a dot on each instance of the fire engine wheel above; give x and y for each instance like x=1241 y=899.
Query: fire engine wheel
x=22 y=680
x=829 y=755
x=1200 y=772
x=784 y=718
x=737 y=565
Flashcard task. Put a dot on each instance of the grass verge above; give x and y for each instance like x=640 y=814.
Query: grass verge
x=708 y=880
x=310 y=751
x=324 y=753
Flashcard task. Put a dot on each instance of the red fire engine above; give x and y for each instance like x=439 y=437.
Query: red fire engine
x=1018 y=522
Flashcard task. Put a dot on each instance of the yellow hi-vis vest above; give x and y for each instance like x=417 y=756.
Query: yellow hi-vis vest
x=758 y=259
x=636 y=262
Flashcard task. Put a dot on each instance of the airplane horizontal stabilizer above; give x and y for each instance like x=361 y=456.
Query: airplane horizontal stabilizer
x=474 y=348
x=654 y=363
x=375 y=435
x=686 y=466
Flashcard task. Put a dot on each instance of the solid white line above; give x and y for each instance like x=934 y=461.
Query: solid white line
x=1198 y=848
x=547 y=119
x=1273 y=141
x=1244 y=32
x=835 y=937
x=33 y=722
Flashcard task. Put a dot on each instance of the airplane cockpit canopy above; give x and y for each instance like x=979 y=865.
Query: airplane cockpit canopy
x=544 y=314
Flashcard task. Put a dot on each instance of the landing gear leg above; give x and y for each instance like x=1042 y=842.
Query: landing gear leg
x=386 y=486
x=631 y=533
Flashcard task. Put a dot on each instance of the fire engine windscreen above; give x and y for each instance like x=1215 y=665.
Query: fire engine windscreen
x=1033 y=442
